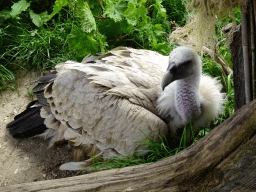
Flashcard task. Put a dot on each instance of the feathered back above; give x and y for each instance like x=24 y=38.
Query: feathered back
x=104 y=103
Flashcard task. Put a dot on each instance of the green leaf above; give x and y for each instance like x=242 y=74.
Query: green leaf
x=17 y=8
x=88 y=21
x=142 y=12
x=115 y=9
x=58 y=6
x=103 y=43
x=160 y=8
x=158 y=29
x=126 y=27
x=36 y=19
x=5 y=14
x=163 y=48
x=44 y=16
x=5 y=75
x=133 y=13
x=111 y=29
x=34 y=32
x=146 y=31
x=83 y=43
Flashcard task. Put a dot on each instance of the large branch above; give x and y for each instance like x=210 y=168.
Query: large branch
x=171 y=174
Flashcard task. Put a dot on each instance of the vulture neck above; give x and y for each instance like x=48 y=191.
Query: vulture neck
x=187 y=98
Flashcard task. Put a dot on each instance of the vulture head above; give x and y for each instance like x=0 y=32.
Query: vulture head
x=184 y=64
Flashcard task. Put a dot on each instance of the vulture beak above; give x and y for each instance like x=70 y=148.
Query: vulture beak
x=169 y=76
x=167 y=79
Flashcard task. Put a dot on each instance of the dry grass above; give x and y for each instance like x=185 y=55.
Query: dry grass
x=200 y=29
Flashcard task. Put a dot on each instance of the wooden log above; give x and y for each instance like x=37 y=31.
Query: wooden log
x=236 y=173
x=253 y=44
x=176 y=173
x=238 y=67
x=246 y=45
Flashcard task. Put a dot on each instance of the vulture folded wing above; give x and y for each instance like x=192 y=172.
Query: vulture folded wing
x=108 y=105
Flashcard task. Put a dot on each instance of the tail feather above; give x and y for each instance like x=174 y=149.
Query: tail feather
x=28 y=123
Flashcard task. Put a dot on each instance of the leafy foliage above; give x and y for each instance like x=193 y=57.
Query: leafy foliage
x=89 y=23
x=77 y=39
x=58 y=6
x=21 y=6
x=109 y=23
x=38 y=34
x=17 y=8
x=115 y=9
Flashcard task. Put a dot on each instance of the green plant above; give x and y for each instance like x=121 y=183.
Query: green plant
x=30 y=94
x=111 y=23
x=229 y=105
x=156 y=152
x=5 y=77
x=39 y=49
x=28 y=46
x=32 y=39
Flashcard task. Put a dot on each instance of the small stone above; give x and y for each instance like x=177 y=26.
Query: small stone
x=16 y=171
x=5 y=120
x=128 y=189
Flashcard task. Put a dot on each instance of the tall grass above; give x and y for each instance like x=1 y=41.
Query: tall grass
x=5 y=77
x=25 y=46
x=157 y=151
x=36 y=48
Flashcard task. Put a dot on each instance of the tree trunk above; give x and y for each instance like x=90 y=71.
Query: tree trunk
x=222 y=160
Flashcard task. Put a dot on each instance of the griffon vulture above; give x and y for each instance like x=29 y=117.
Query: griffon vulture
x=105 y=105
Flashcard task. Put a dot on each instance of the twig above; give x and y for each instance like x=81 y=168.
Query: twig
x=219 y=59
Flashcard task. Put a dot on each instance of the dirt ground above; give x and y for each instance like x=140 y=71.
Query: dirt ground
x=27 y=160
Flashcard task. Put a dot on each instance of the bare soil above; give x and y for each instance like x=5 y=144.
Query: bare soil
x=29 y=159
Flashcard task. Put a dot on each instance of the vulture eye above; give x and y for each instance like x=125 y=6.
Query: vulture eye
x=187 y=63
x=172 y=68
